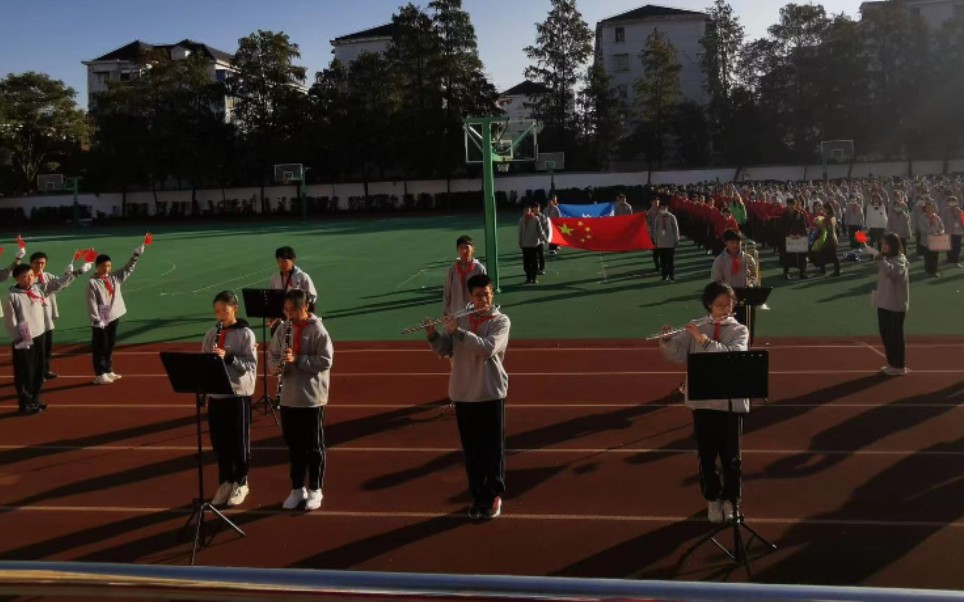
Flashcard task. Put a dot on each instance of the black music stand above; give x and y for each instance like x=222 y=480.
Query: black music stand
x=750 y=298
x=201 y=374
x=730 y=375
x=264 y=303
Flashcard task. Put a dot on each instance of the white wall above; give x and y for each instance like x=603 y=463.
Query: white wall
x=110 y=203
x=347 y=52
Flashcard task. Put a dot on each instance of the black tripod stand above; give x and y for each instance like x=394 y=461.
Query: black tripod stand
x=264 y=303
x=201 y=374
x=747 y=377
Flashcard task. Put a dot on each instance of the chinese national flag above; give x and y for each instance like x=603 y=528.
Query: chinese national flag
x=611 y=234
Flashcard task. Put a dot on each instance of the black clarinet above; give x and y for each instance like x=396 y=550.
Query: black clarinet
x=217 y=334
x=284 y=352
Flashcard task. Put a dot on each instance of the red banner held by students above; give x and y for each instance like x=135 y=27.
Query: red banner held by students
x=609 y=234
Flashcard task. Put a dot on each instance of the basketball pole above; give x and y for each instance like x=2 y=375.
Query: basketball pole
x=72 y=184
x=488 y=196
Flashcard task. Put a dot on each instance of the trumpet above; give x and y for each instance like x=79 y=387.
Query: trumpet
x=468 y=311
x=675 y=331
x=752 y=275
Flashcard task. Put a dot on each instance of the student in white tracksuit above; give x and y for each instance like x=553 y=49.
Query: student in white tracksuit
x=876 y=221
x=105 y=308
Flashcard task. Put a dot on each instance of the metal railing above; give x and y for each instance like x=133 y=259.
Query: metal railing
x=78 y=580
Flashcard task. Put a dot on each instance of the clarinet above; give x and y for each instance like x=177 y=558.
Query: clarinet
x=284 y=352
x=217 y=333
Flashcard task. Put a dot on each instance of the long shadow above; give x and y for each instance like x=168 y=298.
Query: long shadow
x=918 y=488
x=538 y=438
x=47 y=390
x=864 y=430
x=354 y=553
x=642 y=557
x=760 y=418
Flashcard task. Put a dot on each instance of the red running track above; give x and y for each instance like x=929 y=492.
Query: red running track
x=856 y=476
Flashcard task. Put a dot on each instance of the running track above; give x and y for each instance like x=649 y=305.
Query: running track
x=858 y=478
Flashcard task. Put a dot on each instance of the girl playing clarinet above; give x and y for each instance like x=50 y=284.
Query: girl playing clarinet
x=717 y=423
x=229 y=416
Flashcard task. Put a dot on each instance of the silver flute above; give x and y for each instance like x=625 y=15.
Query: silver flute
x=675 y=331
x=284 y=366
x=468 y=311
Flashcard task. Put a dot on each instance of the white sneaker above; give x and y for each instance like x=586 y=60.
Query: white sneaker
x=314 y=499
x=103 y=379
x=726 y=508
x=238 y=493
x=891 y=371
x=714 y=512
x=295 y=498
x=222 y=494
x=114 y=376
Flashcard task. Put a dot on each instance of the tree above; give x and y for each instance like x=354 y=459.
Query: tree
x=563 y=45
x=722 y=45
x=263 y=84
x=657 y=93
x=40 y=125
x=601 y=118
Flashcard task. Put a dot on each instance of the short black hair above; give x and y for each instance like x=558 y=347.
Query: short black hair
x=895 y=243
x=478 y=281
x=20 y=269
x=464 y=240
x=535 y=205
x=38 y=255
x=102 y=258
x=714 y=290
x=285 y=253
x=730 y=235
x=226 y=297
x=297 y=297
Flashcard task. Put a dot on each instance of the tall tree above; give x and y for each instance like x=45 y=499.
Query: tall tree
x=40 y=125
x=722 y=45
x=563 y=46
x=264 y=81
x=657 y=94
x=601 y=118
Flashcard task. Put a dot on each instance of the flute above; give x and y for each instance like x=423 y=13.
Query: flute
x=675 y=331
x=284 y=352
x=468 y=311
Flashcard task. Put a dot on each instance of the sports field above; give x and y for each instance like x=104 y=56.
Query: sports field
x=377 y=276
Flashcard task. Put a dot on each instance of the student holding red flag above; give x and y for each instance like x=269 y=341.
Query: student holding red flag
x=105 y=307
x=6 y=272
x=49 y=285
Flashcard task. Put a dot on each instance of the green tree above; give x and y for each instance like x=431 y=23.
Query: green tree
x=601 y=118
x=40 y=126
x=657 y=94
x=263 y=84
x=563 y=46
x=720 y=57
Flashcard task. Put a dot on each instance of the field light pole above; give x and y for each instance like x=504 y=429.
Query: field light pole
x=489 y=158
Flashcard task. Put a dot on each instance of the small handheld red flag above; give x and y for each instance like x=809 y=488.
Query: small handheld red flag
x=148 y=239
x=861 y=237
x=90 y=255
x=78 y=254
x=21 y=243
x=1 y=250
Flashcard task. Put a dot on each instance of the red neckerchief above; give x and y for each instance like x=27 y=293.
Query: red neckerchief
x=735 y=269
x=35 y=297
x=286 y=282
x=224 y=334
x=108 y=285
x=528 y=216
x=462 y=275
x=297 y=327
x=477 y=321
x=41 y=278
x=716 y=331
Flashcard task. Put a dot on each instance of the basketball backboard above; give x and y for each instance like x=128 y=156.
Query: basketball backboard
x=513 y=141
x=287 y=173
x=551 y=162
x=53 y=182
x=837 y=151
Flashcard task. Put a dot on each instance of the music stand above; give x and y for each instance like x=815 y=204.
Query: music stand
x=750 y=298
x=730 y=375
x=201 y=374
x=264 y=303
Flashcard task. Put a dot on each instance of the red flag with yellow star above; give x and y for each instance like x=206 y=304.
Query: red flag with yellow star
x=611 y=234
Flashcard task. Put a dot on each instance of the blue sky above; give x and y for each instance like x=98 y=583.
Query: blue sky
x=54 y=36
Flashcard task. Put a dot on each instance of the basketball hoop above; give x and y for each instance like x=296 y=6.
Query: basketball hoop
x=503 y=167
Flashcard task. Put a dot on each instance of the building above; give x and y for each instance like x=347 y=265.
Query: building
x=621 y=38
x=514 y=100
x=128 y=62
x=349 y=47
x=934 y=13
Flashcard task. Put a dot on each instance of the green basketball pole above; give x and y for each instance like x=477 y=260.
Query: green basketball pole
x=73 y=184
x=488 y=196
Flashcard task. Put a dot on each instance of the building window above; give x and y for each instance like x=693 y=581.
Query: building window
x=620 y=34
x=221 y=75
x=620 y=62
x=915 y=12
x=125 y=76
x=622 y=91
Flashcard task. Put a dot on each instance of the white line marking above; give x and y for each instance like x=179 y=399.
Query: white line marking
x=236 y=278
x=871 y=348
x=602 y=264
x=156 y=279
x=525 y=450
x=773 y=404
x=456 y=514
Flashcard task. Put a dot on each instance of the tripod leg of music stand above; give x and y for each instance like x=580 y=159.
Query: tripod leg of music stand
x=197 y=533
x=227 y=520
x=759 y=537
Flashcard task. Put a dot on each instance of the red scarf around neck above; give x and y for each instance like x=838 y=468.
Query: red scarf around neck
x=108 y=285
x=296 y=327
x=476 y=321
x=34 y=297
x=464 y=273
x=735 y=263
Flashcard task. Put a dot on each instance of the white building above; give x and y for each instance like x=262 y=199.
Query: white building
x=514 y=100
x=621 y=38
x=127 y=63
x=349 y=47
x=934 y=13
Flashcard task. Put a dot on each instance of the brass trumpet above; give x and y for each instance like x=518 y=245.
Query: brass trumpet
x=468 y=311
